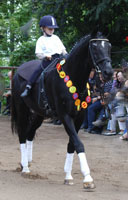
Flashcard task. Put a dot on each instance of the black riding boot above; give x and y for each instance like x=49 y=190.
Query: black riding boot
x=45 y=105
x=27 y=90
x=45 y=102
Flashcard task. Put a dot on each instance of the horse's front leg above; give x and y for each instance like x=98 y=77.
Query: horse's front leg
x=88 y=180
x=79 y=147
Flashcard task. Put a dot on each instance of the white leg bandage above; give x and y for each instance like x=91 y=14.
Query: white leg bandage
x=29 y=150
x=24 y=158
x=84 y=167
x=68 y=165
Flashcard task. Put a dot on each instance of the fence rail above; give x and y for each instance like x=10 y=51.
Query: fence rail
x=3 y=67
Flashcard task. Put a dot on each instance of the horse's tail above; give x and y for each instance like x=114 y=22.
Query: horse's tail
x=19 y=112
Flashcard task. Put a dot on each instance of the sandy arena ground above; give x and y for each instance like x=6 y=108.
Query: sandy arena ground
x=107 y=157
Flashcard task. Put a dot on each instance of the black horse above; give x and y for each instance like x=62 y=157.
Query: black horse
x=65 y=88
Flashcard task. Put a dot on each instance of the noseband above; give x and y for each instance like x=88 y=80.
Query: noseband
x=96 y=62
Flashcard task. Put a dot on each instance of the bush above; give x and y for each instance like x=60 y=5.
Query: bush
x=24 y=53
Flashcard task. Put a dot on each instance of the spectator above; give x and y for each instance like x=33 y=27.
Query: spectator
x=7 y=95
x=125 y=133
x=102 y=116
x=117 y=110
x=97 y=104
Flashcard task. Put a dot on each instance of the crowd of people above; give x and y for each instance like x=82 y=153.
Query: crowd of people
x=105 y=115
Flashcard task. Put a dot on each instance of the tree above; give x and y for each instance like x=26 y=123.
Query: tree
x=20 y=29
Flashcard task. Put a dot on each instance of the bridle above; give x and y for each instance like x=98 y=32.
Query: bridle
x=96 y=62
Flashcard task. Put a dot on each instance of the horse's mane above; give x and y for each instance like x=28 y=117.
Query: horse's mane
x=79 y=44
x=82 y=42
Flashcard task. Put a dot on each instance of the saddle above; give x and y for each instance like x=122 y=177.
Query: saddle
x=25 y=70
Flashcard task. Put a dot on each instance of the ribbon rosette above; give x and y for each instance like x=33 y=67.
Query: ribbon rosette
x=73 y=89
x=84 y=104
x=62 y=74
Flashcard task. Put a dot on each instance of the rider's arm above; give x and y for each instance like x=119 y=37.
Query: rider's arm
x=64 y=52
x=40 y=55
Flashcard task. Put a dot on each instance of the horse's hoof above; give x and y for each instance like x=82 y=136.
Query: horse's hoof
x=25 y=169
x=25 y=174
x=68 y=182
x=89 y=185
x=20 y=168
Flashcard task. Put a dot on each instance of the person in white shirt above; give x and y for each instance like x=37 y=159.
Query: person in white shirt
x=48 y=47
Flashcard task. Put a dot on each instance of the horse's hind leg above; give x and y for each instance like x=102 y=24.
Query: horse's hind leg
x=21 y=123
x=35 y=123
x=26 y=140
x=68 y=164
x=23 y=150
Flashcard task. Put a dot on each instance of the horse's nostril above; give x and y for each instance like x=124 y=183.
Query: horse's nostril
x=108 y=72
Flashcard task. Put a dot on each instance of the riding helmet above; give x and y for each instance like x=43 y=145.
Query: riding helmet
x=48 y=21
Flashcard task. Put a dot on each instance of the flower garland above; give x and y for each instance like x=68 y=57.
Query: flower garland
x=72 y=88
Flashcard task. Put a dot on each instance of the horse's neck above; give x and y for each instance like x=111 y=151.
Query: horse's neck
x=78 y=71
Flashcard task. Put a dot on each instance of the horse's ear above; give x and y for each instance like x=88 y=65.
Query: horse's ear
x=104 y=30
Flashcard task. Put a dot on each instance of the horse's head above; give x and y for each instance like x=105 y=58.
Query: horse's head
x=100 y=50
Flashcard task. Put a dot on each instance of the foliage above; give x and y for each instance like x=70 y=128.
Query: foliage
x=20 y=29
x=24 y=53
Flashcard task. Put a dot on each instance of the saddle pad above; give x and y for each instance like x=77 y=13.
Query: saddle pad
x=25 y=70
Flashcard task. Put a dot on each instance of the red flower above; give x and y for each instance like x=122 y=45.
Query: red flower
x=126 y=39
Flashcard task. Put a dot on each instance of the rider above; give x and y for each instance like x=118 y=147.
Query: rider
x=48 y=47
